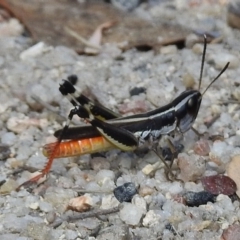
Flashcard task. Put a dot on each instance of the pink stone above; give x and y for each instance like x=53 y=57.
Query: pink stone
x=219 y=184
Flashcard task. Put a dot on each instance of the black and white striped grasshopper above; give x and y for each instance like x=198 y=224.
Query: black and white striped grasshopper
x=108 y=130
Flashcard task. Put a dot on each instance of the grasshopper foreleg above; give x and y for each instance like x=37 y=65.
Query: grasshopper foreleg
x=173 y=154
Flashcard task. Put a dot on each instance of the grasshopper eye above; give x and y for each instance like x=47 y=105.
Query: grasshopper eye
x=191 y=103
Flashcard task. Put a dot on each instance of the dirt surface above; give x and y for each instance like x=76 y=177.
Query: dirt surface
x=32 y=109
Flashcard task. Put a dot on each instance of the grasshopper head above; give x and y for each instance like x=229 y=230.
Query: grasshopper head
x=186 y=107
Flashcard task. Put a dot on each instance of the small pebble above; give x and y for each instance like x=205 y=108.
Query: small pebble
x=71 y=234
x=45 y=207
x=151 y=218
x=233 y=14
x=116 y=231
x=8 y=138
x=59 y=197
x=233 y=171
x=125 y=192
x=188 y=80
x=99 y=163
x=150 y=168
x=192 y=167
x=38 y=231
x=80 y=204
x=145 y=190
x=222 y=58
x=4 y=152
x=34 y=205
x=231 y=233
x=202 y=147
x=125 y=163
x=197 y=48
x=8 y=186
x=191 y=39
x=220 y=153
x=102 y=175
x=140 y=202
x=194 y=199
x=125 y=4
x=109 y=201
x=131 y=214
x=19 y=124
x=9 y=28
x=14 y=163
x=236 y=94
x=137 y=90
x=89 y=223
x=171 y=49
x=34 y=51
x=219 y=184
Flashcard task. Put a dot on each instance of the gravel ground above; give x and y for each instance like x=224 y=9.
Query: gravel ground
x=26 y=125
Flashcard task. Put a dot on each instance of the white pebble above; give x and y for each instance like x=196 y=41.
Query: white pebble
x=45 y=207
x=170 y=187
x=109 y=201
x=220 y=59
x=125 y=163
x=218 y=148
x=8 y=138
x=35 y=51
x=123 y=179
x=152 y=217
x=140 y=202
x=92 y=186
x=197 y=48
x=71 y=234
x=168 y=49
x=131 y=214
x=34 y=205
x=103 y=174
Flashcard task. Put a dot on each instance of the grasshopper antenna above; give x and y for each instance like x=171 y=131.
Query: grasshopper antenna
x=203 y=60
x=223 y=70
x=202 y=67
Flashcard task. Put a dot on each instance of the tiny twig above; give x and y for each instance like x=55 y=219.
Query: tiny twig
x=196 y=132
x=52 y=109
x=84 y=215
x=212 y=121
x=48 y=106
x=231 y=101
x=176 y=232
x=80 y=38
x=83 y=191
x=23 y=168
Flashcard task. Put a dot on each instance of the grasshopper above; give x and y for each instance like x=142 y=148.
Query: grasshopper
x=107 y=130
